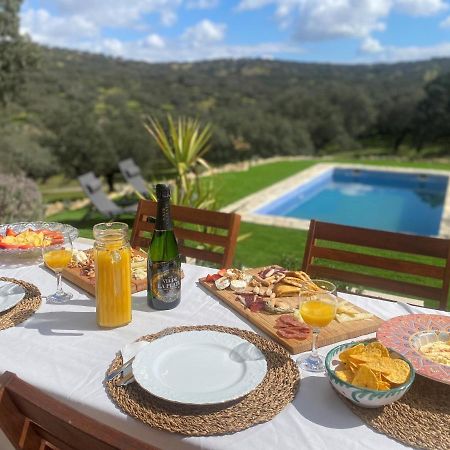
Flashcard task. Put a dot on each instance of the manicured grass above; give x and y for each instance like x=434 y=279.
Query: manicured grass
x=51 y=197
x=265 y=244
x=233 y=186
x=78 y=220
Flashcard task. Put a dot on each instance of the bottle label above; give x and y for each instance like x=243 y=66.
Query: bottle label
x=166 y=281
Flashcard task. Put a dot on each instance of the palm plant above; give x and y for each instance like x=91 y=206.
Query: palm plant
x=183 y=145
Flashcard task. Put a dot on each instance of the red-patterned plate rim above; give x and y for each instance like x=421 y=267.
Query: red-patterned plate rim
x=396 y=333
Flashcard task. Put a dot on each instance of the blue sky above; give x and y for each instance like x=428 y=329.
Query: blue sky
x=340 y=31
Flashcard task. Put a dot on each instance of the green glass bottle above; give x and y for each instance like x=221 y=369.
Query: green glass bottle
x=164 y=268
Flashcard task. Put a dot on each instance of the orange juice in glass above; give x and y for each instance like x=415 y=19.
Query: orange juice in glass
x=57 y=256
x=112 y=255
x=317 y=309
x=57 y=260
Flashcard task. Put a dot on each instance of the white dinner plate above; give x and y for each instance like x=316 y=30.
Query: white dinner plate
x=10 y=295
x=199 y=367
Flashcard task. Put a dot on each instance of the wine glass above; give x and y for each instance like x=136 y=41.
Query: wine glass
x=317 y=309
x=57 y=254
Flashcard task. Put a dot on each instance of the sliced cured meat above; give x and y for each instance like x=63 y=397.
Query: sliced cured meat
x=299 y=334
x=248 y=298
x=257 y=306
x=252 y=301
x=287 y=319
x=289 y=327
x=270 y=271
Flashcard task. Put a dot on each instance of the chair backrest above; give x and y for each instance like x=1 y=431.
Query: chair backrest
x=132 y=174
x=92 y=187
x=210 y=229
x=405 y=264
x=32 y=420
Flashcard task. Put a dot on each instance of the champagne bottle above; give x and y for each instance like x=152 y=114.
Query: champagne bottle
x=163 y=271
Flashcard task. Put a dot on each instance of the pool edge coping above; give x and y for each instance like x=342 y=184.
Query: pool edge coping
x=246 y=206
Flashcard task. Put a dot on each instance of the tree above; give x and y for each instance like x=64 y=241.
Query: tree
x=95 y=137
x=17 y=55
x=432 y=118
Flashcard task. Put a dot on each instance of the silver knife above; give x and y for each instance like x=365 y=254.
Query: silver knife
x=127 y=377
x=118 y=371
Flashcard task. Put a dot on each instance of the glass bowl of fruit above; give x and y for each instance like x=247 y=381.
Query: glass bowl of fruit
x=28 y=237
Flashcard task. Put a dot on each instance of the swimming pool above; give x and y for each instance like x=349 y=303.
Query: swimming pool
x=385 y=200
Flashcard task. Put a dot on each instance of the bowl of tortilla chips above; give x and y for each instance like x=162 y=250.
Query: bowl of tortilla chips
x=368 y=373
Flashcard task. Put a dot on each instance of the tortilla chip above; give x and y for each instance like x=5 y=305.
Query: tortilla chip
x=365 y=378
x=359 y=348
x=400 y=372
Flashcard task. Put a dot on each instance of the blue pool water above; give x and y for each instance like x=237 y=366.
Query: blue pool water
x=404 y=202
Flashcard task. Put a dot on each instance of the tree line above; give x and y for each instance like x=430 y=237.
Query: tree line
x=79 y=111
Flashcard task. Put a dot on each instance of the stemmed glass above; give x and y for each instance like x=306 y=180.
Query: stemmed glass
x=317 y=309
x=57 y=254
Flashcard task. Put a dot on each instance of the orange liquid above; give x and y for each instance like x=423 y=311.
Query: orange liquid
x=113 y=285
x=58 y=259
x=317 y=314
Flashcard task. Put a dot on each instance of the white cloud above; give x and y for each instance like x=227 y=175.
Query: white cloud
x=414 y=53
x=199 y=42
x=116 y=13
x=202 y=4
x=330 y=19
x=445 y=23
x=247 y=5
x=421 y=7
x=314 y=20
x=54 y=30
x=184 y=51
x=204 y=32
x=112 y=47
x=371 y=45
x=154 y=40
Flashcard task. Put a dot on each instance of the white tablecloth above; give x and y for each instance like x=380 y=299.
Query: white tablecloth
x=61 y=350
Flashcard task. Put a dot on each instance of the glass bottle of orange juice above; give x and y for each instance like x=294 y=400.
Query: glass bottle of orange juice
x=112 y=255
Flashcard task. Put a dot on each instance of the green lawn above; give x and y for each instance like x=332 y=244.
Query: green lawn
x=233 y=186
x=264 y=244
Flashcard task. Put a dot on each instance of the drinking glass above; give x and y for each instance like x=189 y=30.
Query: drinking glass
x=326 y=286
x=57 y=255
x=317 y=309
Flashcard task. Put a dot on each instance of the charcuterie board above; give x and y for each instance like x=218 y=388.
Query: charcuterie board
x=87 y=283
x=334 y=332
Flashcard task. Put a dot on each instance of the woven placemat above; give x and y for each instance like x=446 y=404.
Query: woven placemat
x=421 y=418
x=277 y=389
x=24 y=309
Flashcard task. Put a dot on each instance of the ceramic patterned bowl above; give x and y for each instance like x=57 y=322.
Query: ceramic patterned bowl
x=367 y=398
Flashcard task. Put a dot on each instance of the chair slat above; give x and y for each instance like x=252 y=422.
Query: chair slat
x=321 y=234
x=396 y=265
x=182 y=215
x=44 y=419
x=423 y=245
x=204 y=255
x=192 y=235
x=411 y=289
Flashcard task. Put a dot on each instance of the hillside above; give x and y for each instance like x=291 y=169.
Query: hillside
x=258 y=107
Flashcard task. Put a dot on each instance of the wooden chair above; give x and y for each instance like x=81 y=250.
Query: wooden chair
x=32 y=420
x=186 y=230
x=325 y=257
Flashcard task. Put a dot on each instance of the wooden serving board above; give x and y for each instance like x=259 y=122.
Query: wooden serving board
x=334 y=332
x=74 y=275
